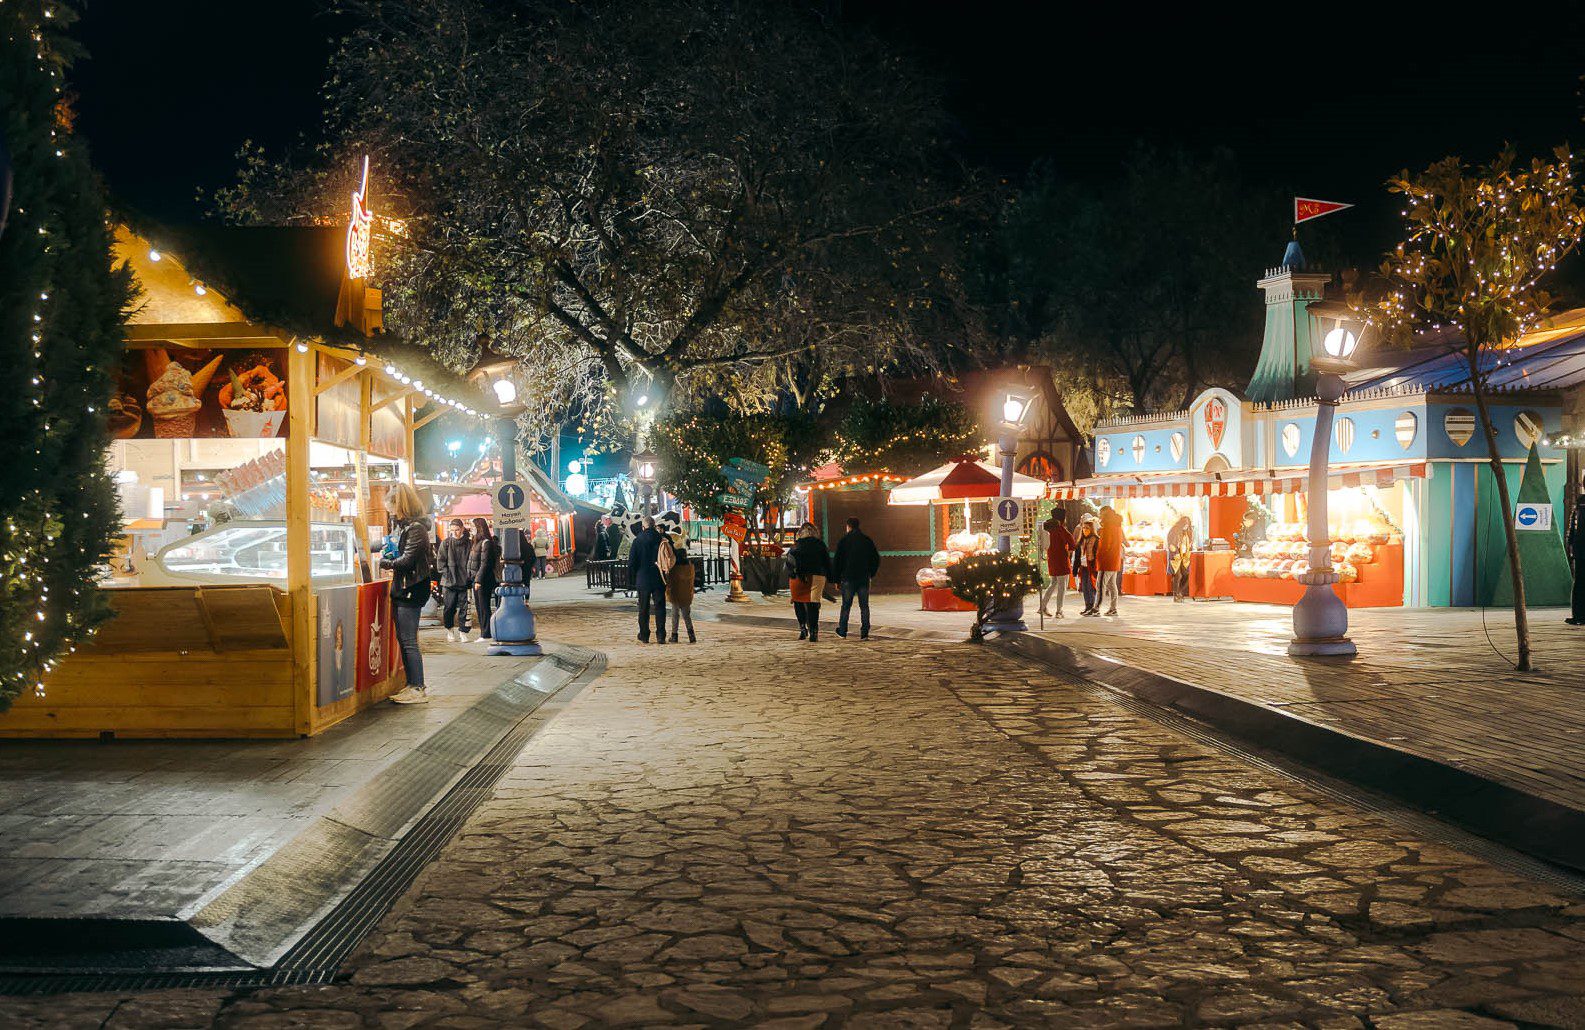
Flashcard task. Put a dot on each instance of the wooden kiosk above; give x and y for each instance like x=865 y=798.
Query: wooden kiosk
x=256 y=431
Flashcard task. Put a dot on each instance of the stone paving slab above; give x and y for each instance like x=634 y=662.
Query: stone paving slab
x=758 y=831
x=1431 y=682
x=151 y=829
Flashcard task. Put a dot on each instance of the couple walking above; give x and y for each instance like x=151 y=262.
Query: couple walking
x=1093 y=556
x=810 y=566
x=661 y=571
x=470 y=569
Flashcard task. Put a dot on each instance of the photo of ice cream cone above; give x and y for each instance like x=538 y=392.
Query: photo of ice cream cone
x=203 y=375
x=253 y=424
x=173 y=403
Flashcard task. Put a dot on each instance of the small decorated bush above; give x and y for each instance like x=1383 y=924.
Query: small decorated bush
x=988 y=581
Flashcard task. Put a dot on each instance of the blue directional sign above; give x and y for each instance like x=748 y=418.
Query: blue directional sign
x=509 y=504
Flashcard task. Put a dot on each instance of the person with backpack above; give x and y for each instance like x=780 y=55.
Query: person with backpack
x=412 y=567
x=679 y=587
x=650 y=558
x=856 y=562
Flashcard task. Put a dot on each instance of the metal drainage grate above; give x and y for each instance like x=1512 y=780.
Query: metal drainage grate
x=316 y=958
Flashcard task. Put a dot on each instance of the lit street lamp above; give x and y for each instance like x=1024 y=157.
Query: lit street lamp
x=644 y=474
x=512 y=625
x=1008 y=616
x=1320 y=619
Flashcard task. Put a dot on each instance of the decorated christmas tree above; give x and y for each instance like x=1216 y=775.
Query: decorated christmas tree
x=61 y=310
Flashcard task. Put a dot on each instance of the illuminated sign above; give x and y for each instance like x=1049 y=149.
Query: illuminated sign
x=360 y=231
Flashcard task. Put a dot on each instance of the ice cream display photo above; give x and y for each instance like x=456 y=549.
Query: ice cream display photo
x=254 y=401
x=175 y=394
x=199 y=393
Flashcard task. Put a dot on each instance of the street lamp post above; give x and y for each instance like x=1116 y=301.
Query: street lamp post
x=1320 y=619
x=512 y=626
x=1008 y=617
x=644 y=473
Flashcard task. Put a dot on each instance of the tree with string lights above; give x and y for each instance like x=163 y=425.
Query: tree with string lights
x=1480 y=244
x=678 y=199
x=61 y=312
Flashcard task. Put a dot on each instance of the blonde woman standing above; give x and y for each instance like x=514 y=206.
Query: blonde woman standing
x=811 y=567
x=411 y=570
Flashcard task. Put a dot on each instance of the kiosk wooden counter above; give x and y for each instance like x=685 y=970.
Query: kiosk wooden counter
x=260 y=418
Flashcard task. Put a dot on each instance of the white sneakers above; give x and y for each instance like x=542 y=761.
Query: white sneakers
x=457 y=636
x=451 y=635
x=411 y=696
x=474 y=637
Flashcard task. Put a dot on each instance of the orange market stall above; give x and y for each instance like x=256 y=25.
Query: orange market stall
x=959 y=494
x=1257 y=559
x=255 y=434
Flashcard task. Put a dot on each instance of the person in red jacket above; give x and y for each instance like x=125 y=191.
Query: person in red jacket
x=1109 y=559
x=1059 y=560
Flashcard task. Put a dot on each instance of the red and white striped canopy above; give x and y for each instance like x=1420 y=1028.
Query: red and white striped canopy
x=1232 y=484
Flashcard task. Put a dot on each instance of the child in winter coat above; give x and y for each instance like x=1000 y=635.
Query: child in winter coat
x=679 y=588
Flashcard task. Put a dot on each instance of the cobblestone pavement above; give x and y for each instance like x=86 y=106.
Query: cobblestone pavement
x=907 y=834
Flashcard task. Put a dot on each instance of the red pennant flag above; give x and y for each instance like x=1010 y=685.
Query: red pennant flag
x=1306 y=208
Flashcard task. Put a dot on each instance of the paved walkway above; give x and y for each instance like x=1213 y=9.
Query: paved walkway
x=908 y=833
x=1433 y=682
x=150 y=829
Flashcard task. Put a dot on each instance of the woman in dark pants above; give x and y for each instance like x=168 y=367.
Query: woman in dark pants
x=811 y=567
x=1086 y=553
x=484 y=572
x=412 y=569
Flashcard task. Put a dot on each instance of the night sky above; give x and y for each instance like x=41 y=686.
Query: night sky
x=1306 y=99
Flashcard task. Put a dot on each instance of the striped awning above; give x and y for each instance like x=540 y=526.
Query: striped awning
x=1233 y=484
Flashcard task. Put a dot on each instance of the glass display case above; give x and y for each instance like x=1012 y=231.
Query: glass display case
x=253 y=552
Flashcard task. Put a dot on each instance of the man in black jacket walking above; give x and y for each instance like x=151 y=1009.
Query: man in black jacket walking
x=856 y=562
x=648 y=581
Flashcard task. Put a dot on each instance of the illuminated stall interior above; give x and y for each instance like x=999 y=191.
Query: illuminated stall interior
x=259 y=419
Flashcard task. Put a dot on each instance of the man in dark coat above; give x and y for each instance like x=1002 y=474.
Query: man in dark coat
x=647 y=580
x=855 y=563
x=1576 y=548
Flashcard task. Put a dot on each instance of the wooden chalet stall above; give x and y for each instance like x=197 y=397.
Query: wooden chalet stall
x=256 y=430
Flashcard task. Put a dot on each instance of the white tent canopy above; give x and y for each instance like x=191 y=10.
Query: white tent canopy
x=926 y=489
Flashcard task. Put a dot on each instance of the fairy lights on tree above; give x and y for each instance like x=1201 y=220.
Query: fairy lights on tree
x=1480 y=242
x=61 y=311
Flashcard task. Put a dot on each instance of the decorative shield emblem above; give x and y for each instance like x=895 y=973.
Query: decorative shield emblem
x=1459 y=424
x=1528 y=427
x=1343 y=434
x=1215 y=420
x=1406 y=428
x=1291 y=438
x=1176 y=444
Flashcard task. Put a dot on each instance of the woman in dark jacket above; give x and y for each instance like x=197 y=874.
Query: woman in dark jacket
x=455 y=583
x=411 y=568
x=484 y=560
x=811 y=567
x=1086 y=556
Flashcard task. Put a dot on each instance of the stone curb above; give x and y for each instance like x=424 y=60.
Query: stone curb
x=1546 y=829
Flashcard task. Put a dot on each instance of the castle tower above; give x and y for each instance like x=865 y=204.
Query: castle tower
x=1283 y=371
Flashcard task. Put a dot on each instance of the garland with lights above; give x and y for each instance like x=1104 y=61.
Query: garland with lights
x=902 y=437
x=692 y=447
x=61 y=313
x=987 y=580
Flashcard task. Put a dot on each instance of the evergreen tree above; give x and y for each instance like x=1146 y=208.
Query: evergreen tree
x=61 y=312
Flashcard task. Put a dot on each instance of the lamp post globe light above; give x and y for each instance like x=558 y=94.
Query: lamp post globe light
x=1320 y=618
x=512 y=626
x=1008 y=617
x=644 y=475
